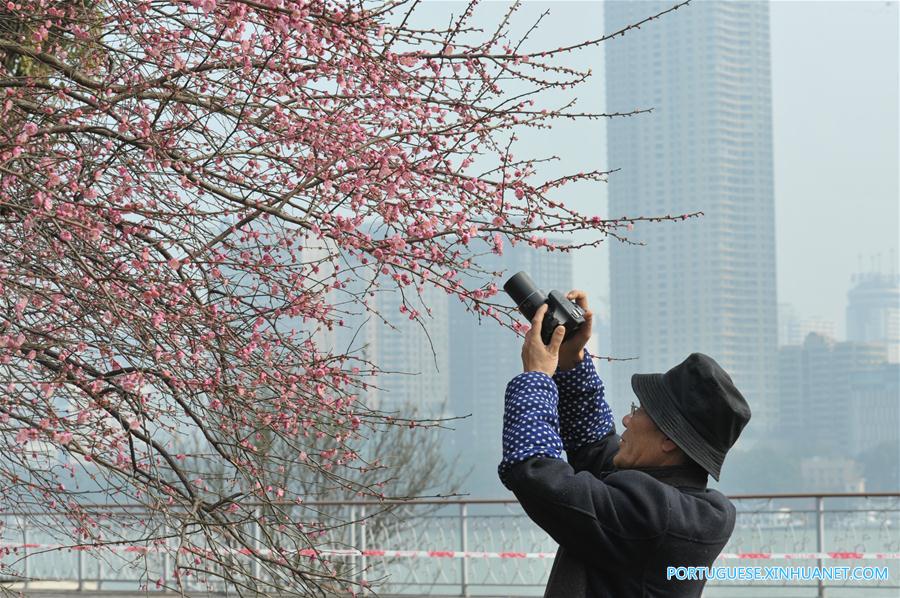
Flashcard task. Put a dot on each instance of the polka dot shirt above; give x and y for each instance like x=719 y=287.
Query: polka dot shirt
x=544 y=415
x=584 y=414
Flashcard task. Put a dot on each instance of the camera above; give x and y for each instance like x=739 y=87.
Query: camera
x=560 y=311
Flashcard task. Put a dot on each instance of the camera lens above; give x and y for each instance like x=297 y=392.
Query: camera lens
x=524 y=292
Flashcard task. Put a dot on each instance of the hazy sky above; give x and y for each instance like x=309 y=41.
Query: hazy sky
x=835 y=114
x=835 y=108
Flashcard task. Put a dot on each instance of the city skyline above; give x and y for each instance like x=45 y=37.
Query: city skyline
x=836 y=138
x=799 y=200
x=589 y=267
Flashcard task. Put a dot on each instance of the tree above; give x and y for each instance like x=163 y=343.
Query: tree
x=164 y=165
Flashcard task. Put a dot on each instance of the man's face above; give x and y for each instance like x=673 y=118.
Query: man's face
x=643 y=444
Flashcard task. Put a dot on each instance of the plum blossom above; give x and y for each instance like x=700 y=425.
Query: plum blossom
x=190 y=191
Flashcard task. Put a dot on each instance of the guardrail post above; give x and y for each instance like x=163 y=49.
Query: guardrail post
x=820 y=540
x=164 y=575
x=464 y=548
x=354 y=560
x=25 y=573
x=257 y=543
x=362 y=542
x=80 y=569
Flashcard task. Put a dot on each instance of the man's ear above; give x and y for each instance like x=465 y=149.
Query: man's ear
x=668 y=446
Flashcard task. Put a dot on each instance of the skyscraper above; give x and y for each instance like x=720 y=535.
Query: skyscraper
x=413 y=358
x=873 y=312
x=836 y=397
x=793 y=329
x=704 y=284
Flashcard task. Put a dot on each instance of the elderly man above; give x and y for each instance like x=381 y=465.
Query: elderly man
x=623 y=508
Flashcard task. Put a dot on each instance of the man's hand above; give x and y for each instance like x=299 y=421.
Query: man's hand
x=571 y=352
x=536 y=356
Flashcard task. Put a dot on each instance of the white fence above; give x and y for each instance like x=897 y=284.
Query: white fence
x=469 y=548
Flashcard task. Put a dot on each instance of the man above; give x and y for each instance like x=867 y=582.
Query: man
x=623 y=509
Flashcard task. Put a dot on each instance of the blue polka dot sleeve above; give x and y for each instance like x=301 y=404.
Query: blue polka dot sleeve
x=584 y=414
x=530 y=420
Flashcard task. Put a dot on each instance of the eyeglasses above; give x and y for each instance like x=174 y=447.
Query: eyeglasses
x=634 y=407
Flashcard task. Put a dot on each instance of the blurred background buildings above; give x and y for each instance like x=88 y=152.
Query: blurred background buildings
x=824 y=392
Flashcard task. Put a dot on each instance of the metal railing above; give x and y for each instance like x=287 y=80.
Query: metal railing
x=477 y=547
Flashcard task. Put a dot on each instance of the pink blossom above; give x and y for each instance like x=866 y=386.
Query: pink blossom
x=62 y=437
x=195 y=220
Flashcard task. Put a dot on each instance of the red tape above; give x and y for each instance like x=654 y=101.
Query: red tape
x=447 y=554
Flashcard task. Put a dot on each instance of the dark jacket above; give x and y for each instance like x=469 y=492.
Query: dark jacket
x=619 y=530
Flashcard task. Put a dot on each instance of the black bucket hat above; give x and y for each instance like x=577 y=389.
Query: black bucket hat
x=697 y=406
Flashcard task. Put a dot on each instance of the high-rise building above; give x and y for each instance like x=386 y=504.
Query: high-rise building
x=703 y=284
x=318 y=254
x=412 y=358
x=791 y=405
x=873 y=312
x=832 y=395
x=793 y=329
x=875 y=417
x=415 y=357
x=484 y=357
